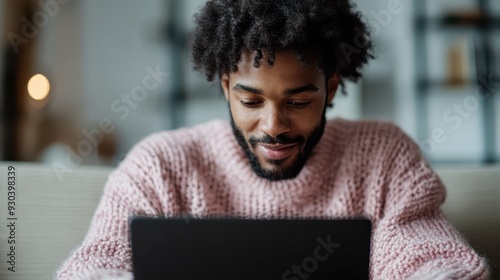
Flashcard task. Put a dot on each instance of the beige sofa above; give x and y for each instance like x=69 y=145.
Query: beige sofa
x=53 y=216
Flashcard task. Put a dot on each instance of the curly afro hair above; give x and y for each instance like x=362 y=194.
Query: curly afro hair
x=331 y=29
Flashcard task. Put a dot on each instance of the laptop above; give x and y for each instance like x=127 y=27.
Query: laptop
x=233 y=248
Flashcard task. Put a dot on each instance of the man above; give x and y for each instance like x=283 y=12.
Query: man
x=279 y=63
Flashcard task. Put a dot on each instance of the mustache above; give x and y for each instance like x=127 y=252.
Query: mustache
x=280 y=139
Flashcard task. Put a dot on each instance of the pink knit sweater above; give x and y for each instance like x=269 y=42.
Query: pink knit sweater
x=369 y=169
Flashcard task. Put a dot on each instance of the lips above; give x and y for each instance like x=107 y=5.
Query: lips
x=276 y=152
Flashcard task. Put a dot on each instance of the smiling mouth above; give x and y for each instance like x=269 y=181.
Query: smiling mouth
x=276 y=151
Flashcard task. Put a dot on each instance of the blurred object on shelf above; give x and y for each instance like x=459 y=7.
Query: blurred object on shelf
x=458 y=72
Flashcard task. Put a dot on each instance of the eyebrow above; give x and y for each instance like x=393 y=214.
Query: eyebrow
x=310 y=87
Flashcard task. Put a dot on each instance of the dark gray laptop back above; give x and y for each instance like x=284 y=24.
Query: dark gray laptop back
x=186 y=248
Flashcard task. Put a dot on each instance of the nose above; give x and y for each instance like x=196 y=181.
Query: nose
x=274 y=121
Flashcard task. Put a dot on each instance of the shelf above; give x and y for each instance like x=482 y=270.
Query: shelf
x=451 y=22
x=484 y=24
x=425 y=83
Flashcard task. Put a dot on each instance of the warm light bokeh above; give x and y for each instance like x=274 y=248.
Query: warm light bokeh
x=38 y=87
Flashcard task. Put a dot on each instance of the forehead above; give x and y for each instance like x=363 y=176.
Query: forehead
x=286 y=68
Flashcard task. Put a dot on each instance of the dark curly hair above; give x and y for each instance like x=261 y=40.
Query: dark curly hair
x=331 y=29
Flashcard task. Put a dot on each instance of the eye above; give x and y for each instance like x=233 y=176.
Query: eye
x=299 y=104
x=250 y=104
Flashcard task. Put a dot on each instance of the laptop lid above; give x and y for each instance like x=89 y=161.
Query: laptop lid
x=226 y=248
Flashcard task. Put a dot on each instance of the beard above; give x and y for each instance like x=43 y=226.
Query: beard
x=279 y=173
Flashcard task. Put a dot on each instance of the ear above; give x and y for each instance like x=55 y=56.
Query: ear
x=333 y=84
x=224 y=82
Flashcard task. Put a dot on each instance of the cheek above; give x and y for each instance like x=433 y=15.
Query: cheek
x=244 y=119
x=304 y=127
x=306 y=121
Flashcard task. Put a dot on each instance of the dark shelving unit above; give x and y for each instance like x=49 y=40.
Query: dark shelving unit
x=483 y=24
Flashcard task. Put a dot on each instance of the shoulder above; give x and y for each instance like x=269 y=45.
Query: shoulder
x=180 y=138
x=374 y=144
x=373 y=135
x=172 y=146
x=362 y=128
x=390 y=163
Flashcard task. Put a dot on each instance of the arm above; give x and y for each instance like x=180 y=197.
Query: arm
x=412 y=239
x=130 y=190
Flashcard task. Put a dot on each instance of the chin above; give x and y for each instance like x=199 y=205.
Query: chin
x=277 y=170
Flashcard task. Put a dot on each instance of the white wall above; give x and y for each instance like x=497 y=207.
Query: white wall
x=120 y=39
x=205 y=100
x=347 y=106
x=58 y=55
x=96 y=53
x=388 y=91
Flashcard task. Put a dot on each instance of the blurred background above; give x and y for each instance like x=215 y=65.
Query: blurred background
x=82 y=81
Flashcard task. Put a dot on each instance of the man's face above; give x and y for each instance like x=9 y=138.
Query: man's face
x=278 y=112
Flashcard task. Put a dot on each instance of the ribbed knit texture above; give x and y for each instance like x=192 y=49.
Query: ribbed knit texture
x=364 y=168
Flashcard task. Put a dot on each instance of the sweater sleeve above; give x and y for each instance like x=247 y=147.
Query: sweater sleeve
x=132 y=189
x=412 y=239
